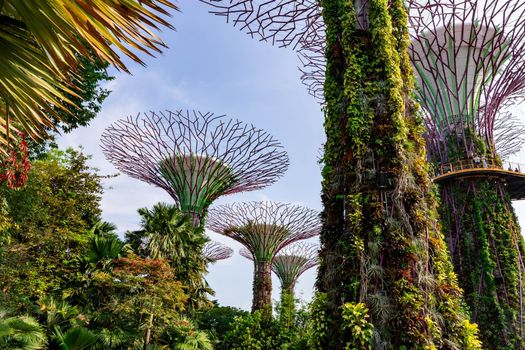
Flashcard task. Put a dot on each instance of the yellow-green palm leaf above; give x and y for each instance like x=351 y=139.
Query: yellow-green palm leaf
x=41 y=42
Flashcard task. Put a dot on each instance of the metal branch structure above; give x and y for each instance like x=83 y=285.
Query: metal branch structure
x=264 y=229
x=469 y=58
x=214 y=251
x=196 y=157
x=290 y=263
x=380 y=241
x=470 y=63
x=298 y=24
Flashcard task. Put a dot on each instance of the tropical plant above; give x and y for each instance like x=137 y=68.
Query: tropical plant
x=189 y=338
x=167 y=233
x=77 y=338
x=21 y=332
x=103 y=228
x=218 y=320
x=136 y=301
x=256 y=331
x=42 y=45
x=47 y=232
x=102 y=251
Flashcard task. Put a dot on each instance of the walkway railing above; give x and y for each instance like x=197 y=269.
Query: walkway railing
x=477 y=163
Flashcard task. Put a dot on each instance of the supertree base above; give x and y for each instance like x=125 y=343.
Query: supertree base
x=487 y=249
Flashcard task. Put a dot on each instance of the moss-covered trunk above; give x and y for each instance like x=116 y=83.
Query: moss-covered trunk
x=287 y=311
x=262 y=287
x=381 y=240
x=487 y=250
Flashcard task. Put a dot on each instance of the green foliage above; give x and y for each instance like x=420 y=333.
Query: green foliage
x=62 y=192
x=317 y=324
x=21 y=333
x=286 y=309
x=471 y=335
x=381 y=242
x=76 y=339
x=186 y=337
x=48 y=220
x=360 y=331
x=86 y=104
x=488 y=247
x=256 y=332
x=170 y=235
x=218 y=321
x=136 y=296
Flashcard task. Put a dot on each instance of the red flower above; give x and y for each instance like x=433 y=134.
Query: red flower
x=14 y=164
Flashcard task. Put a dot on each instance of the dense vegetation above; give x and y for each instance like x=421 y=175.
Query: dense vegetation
x=68 y=279
x=381 y=241
x=487 y=247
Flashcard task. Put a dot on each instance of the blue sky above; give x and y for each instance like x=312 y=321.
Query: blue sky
x=211 y=66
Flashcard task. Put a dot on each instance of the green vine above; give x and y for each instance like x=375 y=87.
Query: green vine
x=487 y=246
x=382 y=247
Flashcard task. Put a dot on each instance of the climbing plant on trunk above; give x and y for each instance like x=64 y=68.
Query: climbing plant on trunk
x=381 y=241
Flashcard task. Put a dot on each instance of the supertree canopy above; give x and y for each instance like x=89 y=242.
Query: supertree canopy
x=214 y=251
x=381 y=244
x=470 y=63
x=469 y=59
x=196 y=157
x=264 y=228
x=290 y=263
x=483 y=87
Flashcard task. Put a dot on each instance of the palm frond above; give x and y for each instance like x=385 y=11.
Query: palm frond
x=42 y=43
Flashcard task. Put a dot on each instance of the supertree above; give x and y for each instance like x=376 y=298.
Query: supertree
x=264 y=228
x=289 y=264
x=195 y=157
x=214 y=251
x=381 y=244
x=469 y=57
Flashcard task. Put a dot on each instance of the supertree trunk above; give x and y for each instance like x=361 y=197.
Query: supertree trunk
x=487 y=249
x=262 y=287
x=381 y=241
x=287 y=306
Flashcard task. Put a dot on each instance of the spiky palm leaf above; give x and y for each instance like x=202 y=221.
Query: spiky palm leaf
x=77 y=338
x=42 y=42
x=195 y=340
x=21 y=333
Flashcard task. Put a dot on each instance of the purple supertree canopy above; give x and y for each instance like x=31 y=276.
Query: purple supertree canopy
x=214 y=251
x=494 y=45
x=264 y=228
x=195 y=157
x=291 y=262
x=469 y=59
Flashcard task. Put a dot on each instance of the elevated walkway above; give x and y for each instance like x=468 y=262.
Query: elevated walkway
x=512 y=174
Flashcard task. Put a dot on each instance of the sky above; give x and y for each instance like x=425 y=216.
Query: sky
x=211 y=66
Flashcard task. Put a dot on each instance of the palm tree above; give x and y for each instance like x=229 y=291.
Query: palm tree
x=77 y=338
x=43 y=42
x=102 y=228
x=21 y=332
x=167 y=233
x=102 y=251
